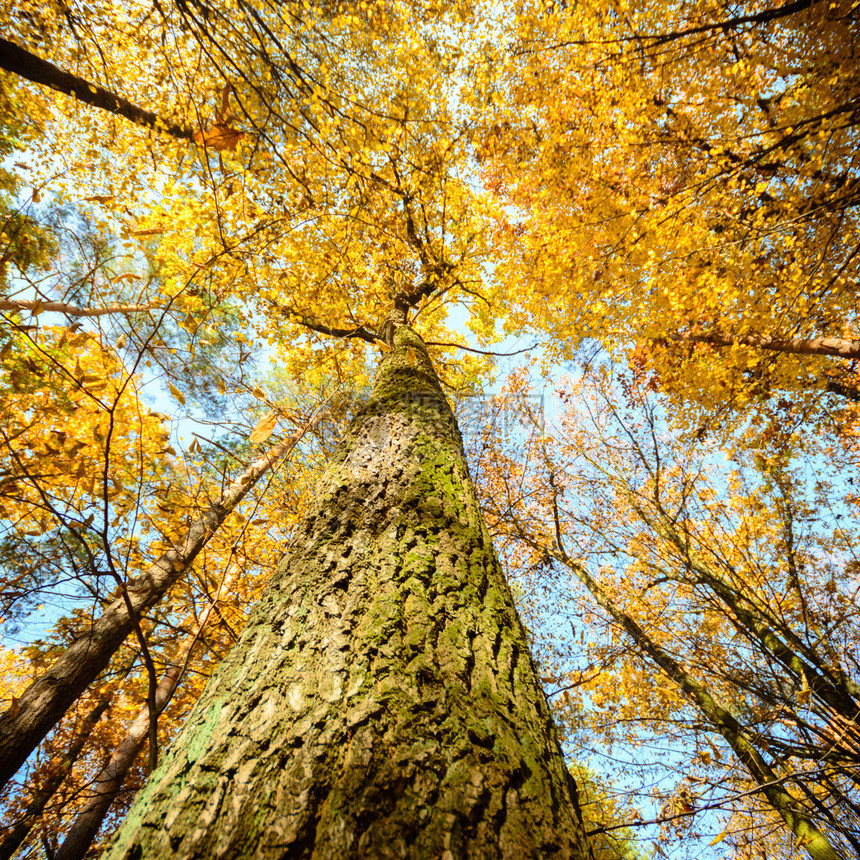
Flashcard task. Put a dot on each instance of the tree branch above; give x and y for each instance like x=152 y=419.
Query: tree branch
x=21 y=62
x=839 y=347
x=72 y=310
x=479 y=351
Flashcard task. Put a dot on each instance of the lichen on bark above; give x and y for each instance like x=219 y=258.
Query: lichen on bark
x=381 y=701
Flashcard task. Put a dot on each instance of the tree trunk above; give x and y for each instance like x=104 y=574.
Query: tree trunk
x=109 y=782
x=44 y=702
x=382 y=701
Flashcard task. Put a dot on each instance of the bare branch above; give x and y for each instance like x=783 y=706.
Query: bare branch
x=839 y=347
x=73 y=310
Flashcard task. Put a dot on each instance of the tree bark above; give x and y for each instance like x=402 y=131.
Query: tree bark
x=382 y=701
x=45 y=701
x=15 y=59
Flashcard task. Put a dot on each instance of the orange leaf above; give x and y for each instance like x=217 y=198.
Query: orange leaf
x=264 y=428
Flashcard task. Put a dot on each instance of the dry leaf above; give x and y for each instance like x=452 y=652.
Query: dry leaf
x=264 y=428
x=219 y=137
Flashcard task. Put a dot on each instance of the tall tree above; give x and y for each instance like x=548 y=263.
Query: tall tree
x=382 y=700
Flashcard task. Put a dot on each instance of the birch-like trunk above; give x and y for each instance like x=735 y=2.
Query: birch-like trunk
x=382 y=701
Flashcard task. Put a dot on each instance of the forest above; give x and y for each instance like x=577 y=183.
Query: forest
x=430 y=429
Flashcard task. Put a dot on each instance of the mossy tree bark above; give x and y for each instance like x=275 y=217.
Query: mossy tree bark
x=382 y=701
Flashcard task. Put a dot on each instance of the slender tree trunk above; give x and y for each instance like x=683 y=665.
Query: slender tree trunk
x=44 y=702
x=42 y=795
x=808 y=835
x=382 y=701
x=829 y=682
x=109 y=782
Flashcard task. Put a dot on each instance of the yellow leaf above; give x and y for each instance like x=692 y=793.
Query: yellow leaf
x=177 y=393
x=264 y=428
x=259 y=393
x=804 y=691
x=718 y=838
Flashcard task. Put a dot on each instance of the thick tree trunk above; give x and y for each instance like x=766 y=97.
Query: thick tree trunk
x=381 y=701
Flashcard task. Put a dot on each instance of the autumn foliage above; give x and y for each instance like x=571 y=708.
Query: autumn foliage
x=212 y=216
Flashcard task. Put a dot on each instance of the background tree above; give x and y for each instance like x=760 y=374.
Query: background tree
x=724 y=590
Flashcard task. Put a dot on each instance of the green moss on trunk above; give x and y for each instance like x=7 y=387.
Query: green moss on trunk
x=381 y=701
